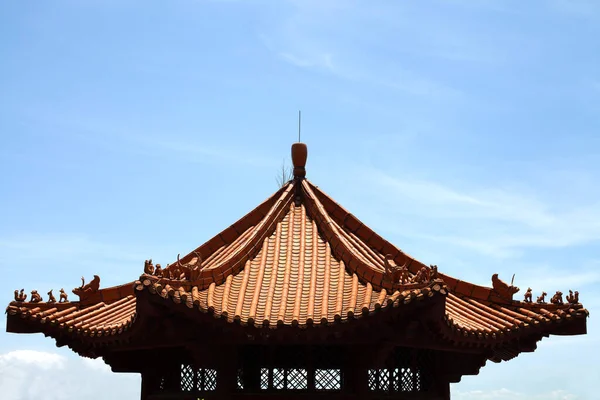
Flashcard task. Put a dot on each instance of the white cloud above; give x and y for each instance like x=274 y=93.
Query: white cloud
x=505 y=394
x=320 y=61
x=97 y=365
x=30 y=375
x=41 y=359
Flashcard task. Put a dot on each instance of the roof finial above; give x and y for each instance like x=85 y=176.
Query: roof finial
x=299 y=154
x=299 y=124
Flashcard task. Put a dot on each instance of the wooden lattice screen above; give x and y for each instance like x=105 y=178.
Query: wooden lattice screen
x=404 y=371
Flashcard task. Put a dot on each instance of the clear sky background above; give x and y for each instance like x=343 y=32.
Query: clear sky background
x=466 y=132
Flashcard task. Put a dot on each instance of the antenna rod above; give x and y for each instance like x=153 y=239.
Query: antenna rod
x=299 y=123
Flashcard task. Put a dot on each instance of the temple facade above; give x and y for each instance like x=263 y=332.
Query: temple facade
x=297 y=299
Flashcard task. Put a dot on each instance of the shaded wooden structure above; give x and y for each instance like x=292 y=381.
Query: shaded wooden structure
x=297 y=299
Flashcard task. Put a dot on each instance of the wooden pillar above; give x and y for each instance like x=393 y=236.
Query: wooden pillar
x=310 y=368
x=146 y=390
x=250 y=361
x=172 y=376
x=355 y=374
x=151 y=380
x=227 y=369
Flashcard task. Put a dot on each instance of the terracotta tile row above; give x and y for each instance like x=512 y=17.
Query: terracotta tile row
x=295 y=279
x=470 y=316
x=100 y=319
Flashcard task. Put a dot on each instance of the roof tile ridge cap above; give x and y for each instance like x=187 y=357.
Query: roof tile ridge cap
x=127 y=285
x=376 y=275
x=261 y=232
x=453 y=287
x=271 y=199
x=319 y=193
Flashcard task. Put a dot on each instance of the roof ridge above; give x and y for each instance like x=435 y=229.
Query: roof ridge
x=234 y=261
x=333 y=220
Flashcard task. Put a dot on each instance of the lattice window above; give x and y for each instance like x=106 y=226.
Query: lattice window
x=278 y=378
x=207 y=379
x=284 y=378
x=187 y=378
x=417 y=380
x=379 y=379
x=328 y=379
x=297 y=379
x=264 y=378
x=240 y=379
x=372 y=379
x=383 y=379
x=410 y=370
x=403 y=380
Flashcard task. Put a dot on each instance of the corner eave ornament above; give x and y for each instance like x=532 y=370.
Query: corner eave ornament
x=85 y=290
x=502 y=289
x=189 y=271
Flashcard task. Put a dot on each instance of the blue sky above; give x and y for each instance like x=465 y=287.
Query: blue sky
x=465 y=132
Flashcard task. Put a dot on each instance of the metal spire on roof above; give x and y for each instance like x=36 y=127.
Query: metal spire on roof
x=299 y=152
x=299 y=124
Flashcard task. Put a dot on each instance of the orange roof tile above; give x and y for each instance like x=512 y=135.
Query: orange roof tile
x=299 y=259
x=100 y=319
x=294 y=279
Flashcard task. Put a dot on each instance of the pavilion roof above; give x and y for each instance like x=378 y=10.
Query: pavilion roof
x=300 y=259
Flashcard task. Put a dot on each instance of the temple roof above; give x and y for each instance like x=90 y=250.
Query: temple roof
x=300 y=259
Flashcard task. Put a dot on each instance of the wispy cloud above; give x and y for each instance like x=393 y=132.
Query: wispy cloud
x=493 y=220
x=144 y=141
x=323 y=37
x=60 y=259
x=321 y=61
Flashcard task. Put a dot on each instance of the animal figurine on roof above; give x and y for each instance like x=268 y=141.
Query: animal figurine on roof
x=542 y=298
x=557 y=298
x=422 y=276
x=573 y=298
x=148 y=267
x=433 y=273
x=51 y=298
x=528 y=296
x=20 y=297
x=35 y=297
x=396 y=273
x=63 y=296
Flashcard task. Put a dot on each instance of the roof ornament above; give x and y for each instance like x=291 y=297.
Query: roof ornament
x=573 y=298
x=542 y=298
x=20 y=296
x=396 y=273
x=64 y=298
x=528 y=296
x=299 y=155
x=503 y=290
x=299 y=124
x=189 y=271
x=84 y=290
x=35 y=297
x=51 y=298
x=148 y=267
x=557 y=298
